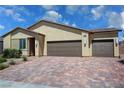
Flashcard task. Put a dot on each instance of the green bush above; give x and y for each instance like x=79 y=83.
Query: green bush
x=3 y=66
x=2 y=60
x=24 y=58
x=12 y=53
x=12 y=62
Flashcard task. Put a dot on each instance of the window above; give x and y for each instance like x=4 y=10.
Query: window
x=22 y=43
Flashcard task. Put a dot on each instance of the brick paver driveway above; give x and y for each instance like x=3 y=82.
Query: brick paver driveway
x=68 y=72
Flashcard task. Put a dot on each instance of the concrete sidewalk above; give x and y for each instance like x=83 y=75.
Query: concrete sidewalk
x=13 y=84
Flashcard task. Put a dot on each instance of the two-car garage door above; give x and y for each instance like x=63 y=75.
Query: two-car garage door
x=64 y=48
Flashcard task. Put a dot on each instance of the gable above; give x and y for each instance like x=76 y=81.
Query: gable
x=55 y=34
x=20 y=34
x=54 y=24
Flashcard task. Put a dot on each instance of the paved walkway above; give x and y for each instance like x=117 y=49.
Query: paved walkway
x=68 y=72
x=13 y=84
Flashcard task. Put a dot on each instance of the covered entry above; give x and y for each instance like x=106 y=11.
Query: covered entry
x=64 y=48
x=103 y=48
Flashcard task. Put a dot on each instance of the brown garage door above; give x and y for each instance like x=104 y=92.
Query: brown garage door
x=64 y=48
x=103 y=48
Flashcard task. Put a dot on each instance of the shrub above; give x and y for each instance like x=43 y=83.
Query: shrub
x=12 y=53
x=6 y=53
x=19 y=53
x=12 y=62
x=3 y=66
x=24 y=58
x=2 y=60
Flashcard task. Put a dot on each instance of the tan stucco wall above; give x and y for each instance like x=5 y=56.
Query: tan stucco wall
x=41 y=45
x=6 y=42
x=85 y=40
x=104 y=35
x=19 y=35
x=15 y=43
x=55 y=34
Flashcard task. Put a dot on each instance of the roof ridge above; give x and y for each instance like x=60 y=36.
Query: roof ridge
x=22 y=29
x=57 y=24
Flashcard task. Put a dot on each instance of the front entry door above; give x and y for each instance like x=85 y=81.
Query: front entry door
x=31 y=46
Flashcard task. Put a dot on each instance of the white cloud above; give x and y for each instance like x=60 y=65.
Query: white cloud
x=20 y=9
x=74 y=25
x=14 y=15
x=116 y=19
x=71 y=9
x=8 y=12
x=17 y=17
x=68 y=23
x=48 y=7
x=84 y=9
x=52 y=16
x=13 y=12
x=98 y=11
x=2 y=27
x=65 y=22
x=78 y=9
x=122 y=16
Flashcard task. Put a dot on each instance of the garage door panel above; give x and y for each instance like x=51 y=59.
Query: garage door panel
x=102 y=48
x=65 y=48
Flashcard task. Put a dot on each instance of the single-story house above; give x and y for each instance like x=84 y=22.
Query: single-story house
x=46 y=38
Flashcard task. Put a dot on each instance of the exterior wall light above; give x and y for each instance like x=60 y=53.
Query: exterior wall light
x=84 y=40
x=117 y=42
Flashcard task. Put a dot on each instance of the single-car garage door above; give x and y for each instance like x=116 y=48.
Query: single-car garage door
x=64 y=48
x=102 y=48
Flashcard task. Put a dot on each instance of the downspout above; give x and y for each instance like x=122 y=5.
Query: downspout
x=10 y=40
x=38 y=44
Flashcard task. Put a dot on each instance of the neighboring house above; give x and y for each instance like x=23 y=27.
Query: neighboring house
x=1 y=45
x=47 y=38
x=121 y=47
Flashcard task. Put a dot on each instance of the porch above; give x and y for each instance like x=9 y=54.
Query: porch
x=31 y=43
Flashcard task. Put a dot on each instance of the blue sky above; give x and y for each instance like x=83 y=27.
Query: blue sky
x=85 y=17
